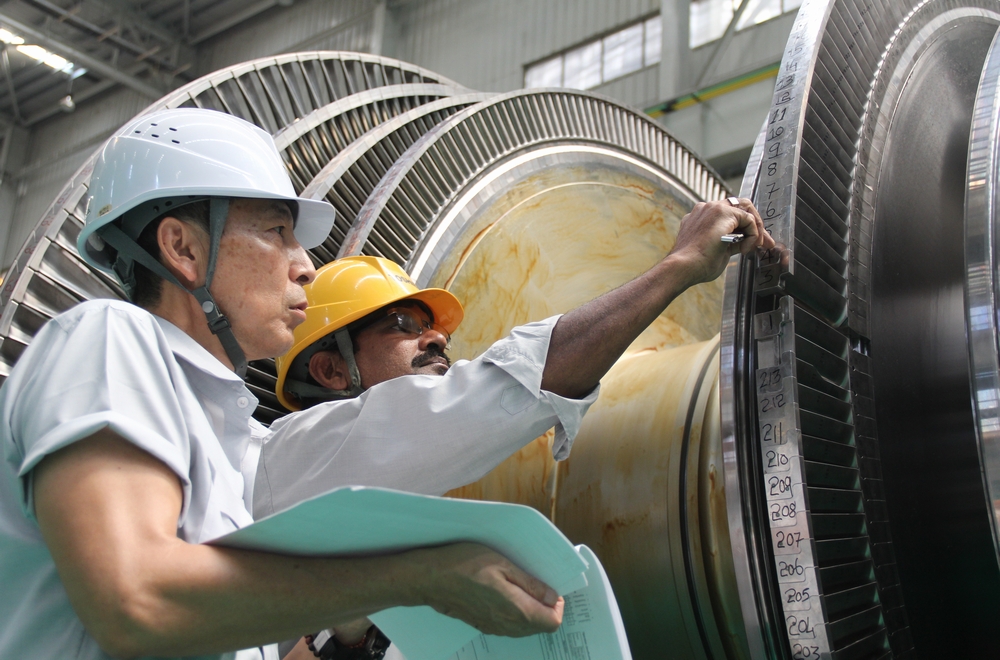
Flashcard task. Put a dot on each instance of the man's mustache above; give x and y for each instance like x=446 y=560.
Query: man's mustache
x=429 y=356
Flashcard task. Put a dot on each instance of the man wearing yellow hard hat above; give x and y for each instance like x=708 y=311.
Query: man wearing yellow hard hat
x=380 y=405
x=347 y=297
x=367 y=324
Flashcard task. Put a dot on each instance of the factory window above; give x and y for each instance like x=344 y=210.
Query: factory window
x=600 y=60
x=709 y=18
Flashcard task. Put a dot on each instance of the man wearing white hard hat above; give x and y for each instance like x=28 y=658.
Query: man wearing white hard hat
x=128 y=437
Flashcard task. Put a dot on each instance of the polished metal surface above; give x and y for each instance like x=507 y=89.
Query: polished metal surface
x=910 y=355
x=746 y=507
x=982 y=283
x=851 y=338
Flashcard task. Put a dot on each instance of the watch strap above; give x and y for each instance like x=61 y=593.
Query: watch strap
x=324 y=645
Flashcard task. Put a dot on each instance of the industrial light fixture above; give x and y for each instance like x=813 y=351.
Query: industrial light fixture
x=57 y=62
x=10 y=38
x=67 y=104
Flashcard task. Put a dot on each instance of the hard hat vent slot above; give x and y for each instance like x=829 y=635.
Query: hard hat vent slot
x=160 y=134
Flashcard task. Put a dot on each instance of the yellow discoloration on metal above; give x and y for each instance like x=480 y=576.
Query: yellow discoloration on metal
x=546 y=246
x=560 y=248
x=620 y=492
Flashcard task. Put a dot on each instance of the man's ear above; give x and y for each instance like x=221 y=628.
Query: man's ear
x=330 y=370
x=183 y=250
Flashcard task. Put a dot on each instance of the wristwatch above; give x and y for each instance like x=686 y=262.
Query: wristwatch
x=325 y=646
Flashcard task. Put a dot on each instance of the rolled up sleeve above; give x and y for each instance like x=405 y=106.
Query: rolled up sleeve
x=100 y=368
x=424 y=434
x=522 y=355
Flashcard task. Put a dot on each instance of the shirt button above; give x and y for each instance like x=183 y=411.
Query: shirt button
x=242 y=402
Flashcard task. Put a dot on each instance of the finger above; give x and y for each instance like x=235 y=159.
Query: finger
x=747 y=225
x=761 y=236
x=538 y=617
x=765 y=240
x=759 y=221
x=748 y=246
x=532 y=586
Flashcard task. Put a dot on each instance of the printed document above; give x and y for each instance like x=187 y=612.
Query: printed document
x=361 y=521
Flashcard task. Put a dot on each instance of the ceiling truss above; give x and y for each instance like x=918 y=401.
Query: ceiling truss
x=148 y=46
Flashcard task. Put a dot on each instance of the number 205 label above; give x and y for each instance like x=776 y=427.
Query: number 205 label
x=796 y=599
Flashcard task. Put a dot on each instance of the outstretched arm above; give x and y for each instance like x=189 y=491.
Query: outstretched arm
x=108 y=512
x=587 y=341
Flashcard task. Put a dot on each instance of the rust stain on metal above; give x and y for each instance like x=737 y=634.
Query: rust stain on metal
x=546 y=248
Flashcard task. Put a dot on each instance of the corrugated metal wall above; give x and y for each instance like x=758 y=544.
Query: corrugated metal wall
x=484 y=44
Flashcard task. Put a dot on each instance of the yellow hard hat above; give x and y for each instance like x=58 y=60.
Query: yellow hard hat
x=348 y=289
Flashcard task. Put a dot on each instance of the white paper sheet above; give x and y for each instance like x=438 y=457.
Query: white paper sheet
x=592 y=628
x=365 y=521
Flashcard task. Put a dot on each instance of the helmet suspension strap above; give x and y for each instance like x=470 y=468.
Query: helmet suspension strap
x=217 y=322
x=346 y=348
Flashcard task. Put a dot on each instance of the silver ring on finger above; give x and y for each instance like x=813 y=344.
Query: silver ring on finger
x=733 y=201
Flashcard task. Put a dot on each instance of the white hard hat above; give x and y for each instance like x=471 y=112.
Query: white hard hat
x=182 y=155
x=175 y=157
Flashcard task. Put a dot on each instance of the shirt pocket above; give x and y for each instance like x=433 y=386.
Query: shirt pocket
x=516 y=399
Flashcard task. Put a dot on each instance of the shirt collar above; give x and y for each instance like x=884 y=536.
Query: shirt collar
x=186 y=348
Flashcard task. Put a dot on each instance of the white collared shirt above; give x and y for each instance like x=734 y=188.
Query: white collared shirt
x=111 y=364
x=423 y=434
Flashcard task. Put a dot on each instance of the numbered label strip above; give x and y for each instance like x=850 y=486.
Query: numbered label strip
x=784 y=486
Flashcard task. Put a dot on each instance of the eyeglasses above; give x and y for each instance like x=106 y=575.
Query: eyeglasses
x=405 y=320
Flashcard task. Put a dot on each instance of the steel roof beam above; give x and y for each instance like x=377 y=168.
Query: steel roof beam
x=5 y=63
x=81 y=96
x=139 y=19
x=101 y=33
x=233 y=20
x=80 y=58
x=36 y=79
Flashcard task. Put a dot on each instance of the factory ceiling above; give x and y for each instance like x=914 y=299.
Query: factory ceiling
x=55 y=54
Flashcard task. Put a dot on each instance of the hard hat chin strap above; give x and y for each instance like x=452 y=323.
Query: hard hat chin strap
x=346 y=348
x=217 y=321
x=310 y=391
